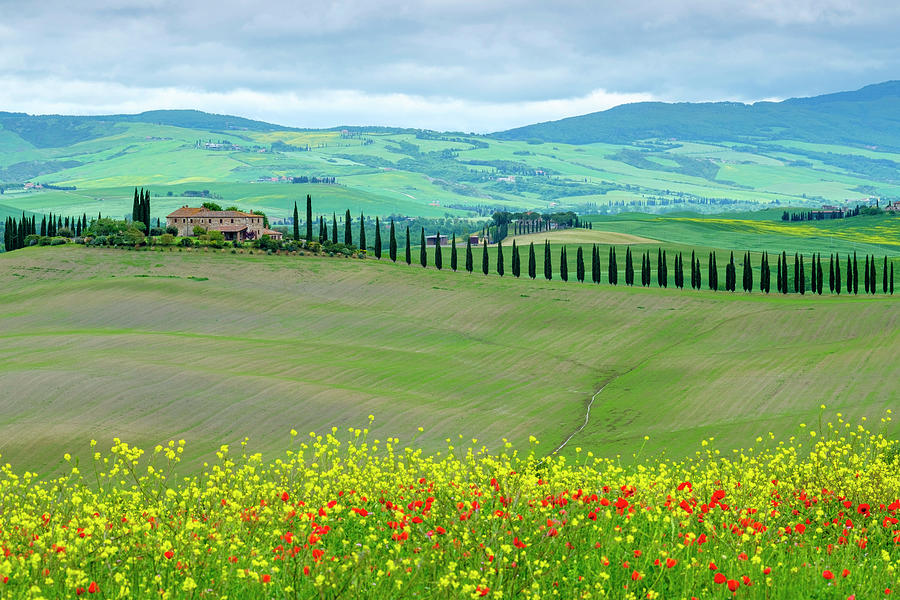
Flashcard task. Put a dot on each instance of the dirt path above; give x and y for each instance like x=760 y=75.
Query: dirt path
x=587 y=418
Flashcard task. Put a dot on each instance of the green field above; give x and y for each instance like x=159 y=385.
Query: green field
x=420 y=173
x=211 y=347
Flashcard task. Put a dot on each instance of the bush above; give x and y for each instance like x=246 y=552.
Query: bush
x=79 y=240
x=186 y=242
x=31 y=240
x=59 y=241
x=199 y=230
x=133 y=237
x=157 y=231
x=99 y=240
x=166 y=239
x=313 y=247
x=65 y=232
x=216 y=238
x=171 y=229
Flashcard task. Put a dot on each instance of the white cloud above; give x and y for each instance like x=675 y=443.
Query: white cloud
x=316 y=108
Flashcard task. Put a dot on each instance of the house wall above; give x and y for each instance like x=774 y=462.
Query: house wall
x=186 y=225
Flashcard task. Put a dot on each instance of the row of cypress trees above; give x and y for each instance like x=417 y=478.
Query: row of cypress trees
x=16 y=230
x=816 y=276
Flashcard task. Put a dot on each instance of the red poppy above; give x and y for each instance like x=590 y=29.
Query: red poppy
x=864 y=509
x=733 y=585
x=635 y=576
x=845 y=572
x=720 y=578
x=671 y=562
x=827 y=574
x=266 y=578
x=93 y=589
x=285 y=497
x=168 y=554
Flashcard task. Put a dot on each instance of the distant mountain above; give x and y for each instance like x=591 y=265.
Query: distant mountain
x=57 y=131
x=866 y=117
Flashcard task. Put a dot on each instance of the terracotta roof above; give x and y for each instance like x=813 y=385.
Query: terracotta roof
x=199 y=211
x=269 y=232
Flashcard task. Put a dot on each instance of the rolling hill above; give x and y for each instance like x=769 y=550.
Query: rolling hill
x=646 y=157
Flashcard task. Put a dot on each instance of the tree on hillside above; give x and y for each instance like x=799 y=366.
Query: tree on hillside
x=802 y=284
x=563 y=265
x=796 y=273
x=532 y=263
x=891 y=280
x=855 y=275
x=453 y=263
x=665 y=270
x=849 y=275
x=548 y=263
x=423 y=255
x=470 y=263
x=392 y=248
x=500 y=269
x=831 y=272
x=595 y=264
x=579 y=265
x=679 y=271
x=408 y=249
x=884 y=277
x=613 y=274
x=362 y=232
x=309 y=232
x=873 y=277
x=377 y=238
x=629 y=266
x=659 y=268
x=485 y=263
x=348 y=232
x=296 y=222
x=516 y=261
x=438 y=257
x=334 y=237
x=322 y=231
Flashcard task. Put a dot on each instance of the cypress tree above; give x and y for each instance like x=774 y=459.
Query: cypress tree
x=891 y=280
x=884 y=277
x=579 y=265
x=532 y=263
x=423 y=255
x=849 y=275
x=392 y=249
x=378 y=239
x=408 y=249
x=348 y=232
x=362 y=232
x=321 y=229
x=438 y=257
x=615 y=268
x=485 y=263
x=629 y=266
x=334 y=237
x=595 y=264
x=309 y=236
x=500 y=269
x=611 y=267
x=831 y=272
x=819 y=272
x=147 y=212
x=548 y=263
x=296 y=222
x=665 y=271
x=693 y=272
x=469 y=262
x=516 y=265
x=44 y=226
x=563 y=265
x=645 y=270
x=855 y=275
x=135 y=207
x=873 y=278
x=679 y=271
x=659 y=268
x=325 y=229
x=713 y=283
x=796 y=272
x=453 y=263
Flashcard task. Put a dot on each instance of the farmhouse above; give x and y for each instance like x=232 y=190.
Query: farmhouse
x=234 y=225
x=893 y=206
x=432 y=240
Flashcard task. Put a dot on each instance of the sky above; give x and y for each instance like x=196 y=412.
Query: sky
x=458 y=65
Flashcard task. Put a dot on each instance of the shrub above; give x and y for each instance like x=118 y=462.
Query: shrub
x=32 y=240
x=171 y=229
x=99 y=240
x=199 y=230
x=59 y=241
x=166 y=239
x=186 y=242
x=65 y=232
x=157 y=231
x=133 y=237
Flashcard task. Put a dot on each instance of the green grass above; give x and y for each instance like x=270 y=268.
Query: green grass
x=400 y=173
x=215 y=346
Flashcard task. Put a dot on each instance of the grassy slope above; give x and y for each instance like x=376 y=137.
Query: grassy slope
x=99 y=343
x=387 y=176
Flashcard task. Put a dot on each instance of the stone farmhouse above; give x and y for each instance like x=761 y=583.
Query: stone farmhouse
x=234 y=225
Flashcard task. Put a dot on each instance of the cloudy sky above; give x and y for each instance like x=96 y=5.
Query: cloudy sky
x=440 y=64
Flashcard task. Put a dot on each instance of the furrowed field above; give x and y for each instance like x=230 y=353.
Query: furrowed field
x=212 y=347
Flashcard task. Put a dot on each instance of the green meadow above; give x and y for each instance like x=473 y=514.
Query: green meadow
x=213 y=346
x=383 y=172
